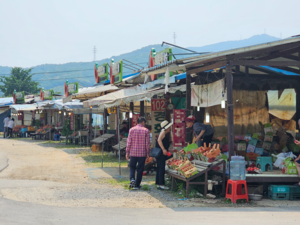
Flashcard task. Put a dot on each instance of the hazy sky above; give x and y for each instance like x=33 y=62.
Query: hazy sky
x=34 y=32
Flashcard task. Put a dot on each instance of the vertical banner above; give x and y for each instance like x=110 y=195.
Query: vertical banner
x=179 y=128
x=134 y=119
x=157 y=116
x=72 y=122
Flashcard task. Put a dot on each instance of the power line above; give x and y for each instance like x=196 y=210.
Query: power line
x=67 y=71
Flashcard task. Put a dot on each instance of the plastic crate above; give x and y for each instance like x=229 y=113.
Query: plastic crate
x=279 y=192
x=23 y=129
x=294 y=193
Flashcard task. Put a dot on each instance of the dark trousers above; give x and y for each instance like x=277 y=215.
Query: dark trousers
x=9 y=133
x=5 y=133
x=137 y=164
x=160 y=170
x=207 y=139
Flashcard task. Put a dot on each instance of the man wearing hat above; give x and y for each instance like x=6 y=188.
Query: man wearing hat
x=201 y=131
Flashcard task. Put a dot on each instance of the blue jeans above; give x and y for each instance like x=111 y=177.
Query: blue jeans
x=137 y=164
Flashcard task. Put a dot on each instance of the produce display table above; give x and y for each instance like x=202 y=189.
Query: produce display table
x=104 y=138
x=202 y=168
x=123 y=145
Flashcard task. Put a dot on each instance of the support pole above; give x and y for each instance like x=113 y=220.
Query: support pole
x=105 y=121
x=118 y=112
x=229 y=82
x=103 y=137
x=142 y=108
x=131 y=109
x=188 y=93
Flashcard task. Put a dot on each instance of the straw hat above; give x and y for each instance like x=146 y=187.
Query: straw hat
x=165 y=124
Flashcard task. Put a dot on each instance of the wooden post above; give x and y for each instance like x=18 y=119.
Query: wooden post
x=142 y=108
x=105 y=121
x=229 y=82
x=118 y=130
x=188 y=93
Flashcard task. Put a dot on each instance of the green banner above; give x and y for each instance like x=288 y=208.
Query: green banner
x=73 y=88
x=117 y=71
x=19 y=97
x=162 y=57
x=103 y=72
x=48 y=94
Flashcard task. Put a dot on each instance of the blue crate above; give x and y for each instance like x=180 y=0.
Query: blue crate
x=279 y=192
x=23 y=129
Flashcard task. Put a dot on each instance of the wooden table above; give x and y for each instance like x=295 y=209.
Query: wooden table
x=123 y=145
x=202 y=168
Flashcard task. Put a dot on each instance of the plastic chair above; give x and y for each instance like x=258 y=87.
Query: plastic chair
x=263 y=162
x=236 y=190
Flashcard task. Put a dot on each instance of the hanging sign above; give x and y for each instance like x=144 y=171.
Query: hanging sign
x=162 y=57
x=71 y=88
x=101 y=72
x=157 y=116
x=112 y=110
x=179 y=128
x=19 y=97
x=208 y=95
x=46 y=94
x=116 y=71
x=135 y=118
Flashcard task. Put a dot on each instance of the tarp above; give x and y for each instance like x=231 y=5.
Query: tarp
x=24 y=107
x=2 y=117
x=128 y=95
x=96 y=91
x=58 y=104
x=6 y=101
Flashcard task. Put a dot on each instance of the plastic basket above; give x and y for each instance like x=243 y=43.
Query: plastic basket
x=279 y=196
x=281 y=191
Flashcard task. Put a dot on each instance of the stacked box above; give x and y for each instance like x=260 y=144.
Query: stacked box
x=279 y=192
x=294 y=193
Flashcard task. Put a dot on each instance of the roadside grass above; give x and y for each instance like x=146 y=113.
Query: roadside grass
x=124 y=182
x=94 y=159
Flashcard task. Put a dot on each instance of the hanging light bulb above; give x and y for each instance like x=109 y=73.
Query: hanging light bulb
x=70 y=113
x=130 y=114
x=198 y=108
x=207 y=117
x=223 y=101
x=59 y=111
x=65 y=113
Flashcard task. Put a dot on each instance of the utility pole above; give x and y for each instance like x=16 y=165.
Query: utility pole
x=174 y=36
x=95 y=51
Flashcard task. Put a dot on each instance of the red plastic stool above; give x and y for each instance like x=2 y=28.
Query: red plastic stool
x=236 y=190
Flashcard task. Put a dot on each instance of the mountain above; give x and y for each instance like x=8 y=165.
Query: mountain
x=84 y=73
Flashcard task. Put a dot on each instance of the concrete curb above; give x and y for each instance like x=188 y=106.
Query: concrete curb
x=3 y=162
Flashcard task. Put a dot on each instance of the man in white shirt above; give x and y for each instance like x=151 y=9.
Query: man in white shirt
x=11 y=125
x=5 y=121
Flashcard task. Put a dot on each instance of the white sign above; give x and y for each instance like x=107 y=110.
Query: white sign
x=19 y=95
x=72 y=87
x=208 y=95
x=47 y=94
x=161 y=58
x=115 y=68
x=67 y=99
x=101 y=70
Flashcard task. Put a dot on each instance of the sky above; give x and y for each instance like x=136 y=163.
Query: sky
x=34 y=32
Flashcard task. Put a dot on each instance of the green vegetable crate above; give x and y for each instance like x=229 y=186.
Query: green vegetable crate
x=279 y=192
x=294 y=193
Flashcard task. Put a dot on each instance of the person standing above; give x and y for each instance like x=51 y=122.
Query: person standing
x=204 y=131
x=5 y=121
x=138 y=149
x=163 y=143
x=11 y=124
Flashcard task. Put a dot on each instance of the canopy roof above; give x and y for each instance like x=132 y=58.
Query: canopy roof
x=92 y=92
x=128 y=95
x=6 y=101
x=24 y=107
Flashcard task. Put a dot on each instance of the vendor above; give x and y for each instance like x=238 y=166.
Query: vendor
x=201 y=131
x=125 y=129
x=297 y=162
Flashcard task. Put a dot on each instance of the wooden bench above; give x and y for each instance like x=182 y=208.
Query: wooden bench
x=202 y=168
x=123 y=145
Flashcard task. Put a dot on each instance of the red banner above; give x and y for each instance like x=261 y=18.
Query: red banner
x=157 y=105
x=179 y=128
x=134 y=119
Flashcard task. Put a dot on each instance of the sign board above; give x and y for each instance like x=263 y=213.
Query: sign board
x=116 y=72
x=73 y=88
x=19 y=97
x=157 y=105
x=112 y=110
x=162 y=57
x=179 y=128
x=157 y=116
x=135 y=118
x=101 y=73
x=67 y=99
x=48 y=94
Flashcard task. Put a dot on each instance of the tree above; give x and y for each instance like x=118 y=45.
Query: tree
x=19 y=80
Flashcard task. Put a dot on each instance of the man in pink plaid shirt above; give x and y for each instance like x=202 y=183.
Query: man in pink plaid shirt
x=138 y=149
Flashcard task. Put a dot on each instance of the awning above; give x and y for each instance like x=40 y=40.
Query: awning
x=92 y=92
x=128 y=95
x=25 y=107
x=6 y=101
